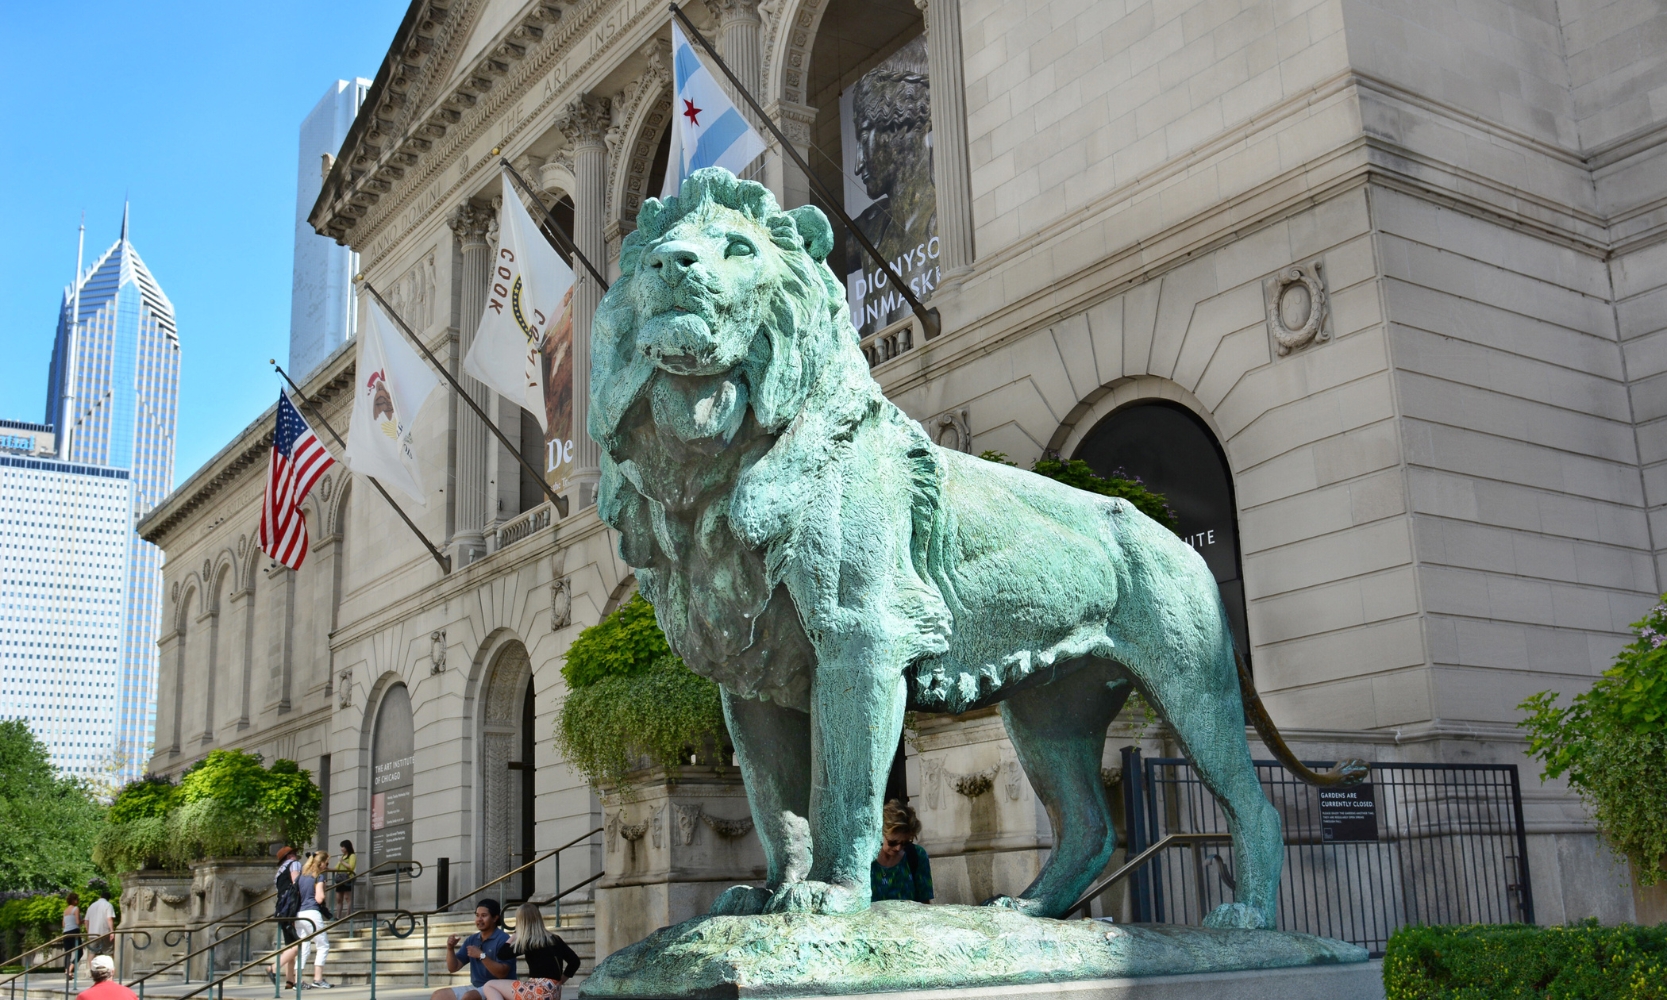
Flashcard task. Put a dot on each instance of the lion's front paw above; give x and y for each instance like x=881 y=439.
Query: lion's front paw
x=740 y=901
x=1028 y=907
x=818 y=897
x=1242 y=916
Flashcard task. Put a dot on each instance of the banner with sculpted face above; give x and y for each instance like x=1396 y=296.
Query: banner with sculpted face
x=885 y=122
x=557 y=358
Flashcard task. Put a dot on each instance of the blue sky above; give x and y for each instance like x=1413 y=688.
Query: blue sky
x=191 y=109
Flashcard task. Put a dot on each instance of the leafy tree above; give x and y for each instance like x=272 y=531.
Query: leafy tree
x=1081 y=475
x=47 y=823
x=1612 y=743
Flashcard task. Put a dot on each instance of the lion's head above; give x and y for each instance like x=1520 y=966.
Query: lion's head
x=720 y=280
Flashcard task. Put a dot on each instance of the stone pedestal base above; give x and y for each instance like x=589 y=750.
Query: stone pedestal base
x=1362 y=981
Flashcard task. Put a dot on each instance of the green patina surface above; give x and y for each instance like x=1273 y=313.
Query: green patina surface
x=900 y=945
x=807 y=547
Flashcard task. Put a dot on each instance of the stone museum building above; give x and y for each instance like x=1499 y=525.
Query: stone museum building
x=1374 y=292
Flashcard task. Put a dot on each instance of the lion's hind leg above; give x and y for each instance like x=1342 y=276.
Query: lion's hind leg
x=1059 y=732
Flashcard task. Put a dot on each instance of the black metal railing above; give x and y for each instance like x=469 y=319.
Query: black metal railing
x=1413 y=844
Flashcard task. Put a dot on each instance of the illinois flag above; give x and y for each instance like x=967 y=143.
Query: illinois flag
x=390 y=388
x=525 y=294
x=709 y=132
x=298 y=460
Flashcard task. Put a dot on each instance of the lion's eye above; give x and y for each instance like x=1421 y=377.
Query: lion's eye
x=740 y=247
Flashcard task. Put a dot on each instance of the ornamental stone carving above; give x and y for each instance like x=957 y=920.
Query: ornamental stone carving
x=656 y=826
x=931 y=770
x=437 y=651
x=728 y=829
x=586 y=121
x=344 y=688
x=1012 y=778
x=470 y=223
x=561 y=603
x=975 y=784
x=1297 y=305
x=951 y=430
x=688 y=823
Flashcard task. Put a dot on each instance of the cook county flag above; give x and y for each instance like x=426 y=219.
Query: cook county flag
x=524 y=297
x=709 y=132
x=390 y=388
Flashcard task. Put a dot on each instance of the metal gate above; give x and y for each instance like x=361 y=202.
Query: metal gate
x=1414 y=844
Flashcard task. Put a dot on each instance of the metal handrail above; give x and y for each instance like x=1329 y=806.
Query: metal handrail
x=1144 y=856
x=268 y=894
x=487 y=885
x=513 y=871
x=296 y=944
x=26 y=969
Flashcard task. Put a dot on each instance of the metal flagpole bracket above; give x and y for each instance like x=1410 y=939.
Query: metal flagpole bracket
x=439 y=557
x=560 y=502
x=564 y=243
x=931 y=323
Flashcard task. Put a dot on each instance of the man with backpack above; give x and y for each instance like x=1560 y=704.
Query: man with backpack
x=286 y=904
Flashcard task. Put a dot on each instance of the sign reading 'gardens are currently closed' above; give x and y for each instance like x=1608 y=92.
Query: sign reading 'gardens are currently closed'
x=1348 y=813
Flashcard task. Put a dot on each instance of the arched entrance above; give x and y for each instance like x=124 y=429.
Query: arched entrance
x=1172 y=451
x=506 y=762
x=392 y=755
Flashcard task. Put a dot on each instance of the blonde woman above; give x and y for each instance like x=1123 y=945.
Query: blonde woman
x=549 y=961
x=311 y=917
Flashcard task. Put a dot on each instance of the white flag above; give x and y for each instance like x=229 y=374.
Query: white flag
x=709 y=132
x=390 y=388
x=525 y=296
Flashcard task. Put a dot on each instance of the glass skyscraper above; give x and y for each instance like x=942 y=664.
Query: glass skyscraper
x=115 y=401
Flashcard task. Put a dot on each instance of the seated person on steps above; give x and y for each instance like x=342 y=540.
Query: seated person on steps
x=549 y=961
x=480 y=952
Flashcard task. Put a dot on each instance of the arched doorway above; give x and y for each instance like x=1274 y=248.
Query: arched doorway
x=392 y=756
x=507 y=771
x=1174 y=453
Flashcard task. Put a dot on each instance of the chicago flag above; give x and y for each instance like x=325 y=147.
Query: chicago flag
x=390 y=387
x=709 y=132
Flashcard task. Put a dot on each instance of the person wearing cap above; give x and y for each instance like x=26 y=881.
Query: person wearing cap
x=286 y=880
x=104 y=985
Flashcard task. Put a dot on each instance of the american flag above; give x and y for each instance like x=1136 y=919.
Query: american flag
x=298 y=459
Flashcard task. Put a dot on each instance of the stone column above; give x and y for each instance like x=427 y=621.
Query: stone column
x=585 y=123
x=950 y=171
x=468 y=539
x=781 y=175
x=738 y=31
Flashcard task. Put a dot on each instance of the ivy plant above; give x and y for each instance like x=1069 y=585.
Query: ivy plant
x=1611 y=742
x=632 y=703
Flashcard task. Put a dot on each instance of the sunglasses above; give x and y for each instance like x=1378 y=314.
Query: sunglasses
x=895 y=844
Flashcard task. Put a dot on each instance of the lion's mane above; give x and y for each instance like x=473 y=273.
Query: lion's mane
x=809 y=389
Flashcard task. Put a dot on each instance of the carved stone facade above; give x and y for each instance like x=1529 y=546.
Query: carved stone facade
x=1412 y=297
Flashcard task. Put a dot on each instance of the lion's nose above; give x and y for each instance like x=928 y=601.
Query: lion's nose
x=672 y=261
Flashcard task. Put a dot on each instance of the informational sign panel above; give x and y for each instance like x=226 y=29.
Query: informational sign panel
x=885 y=122
x=1348 y=814
x=391 y=778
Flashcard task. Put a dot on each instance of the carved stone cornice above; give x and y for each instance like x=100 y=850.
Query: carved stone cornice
x=727 y=11
x=585 y=121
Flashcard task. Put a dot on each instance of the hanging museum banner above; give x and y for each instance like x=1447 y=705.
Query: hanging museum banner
x=885 y=122
x=558 y=398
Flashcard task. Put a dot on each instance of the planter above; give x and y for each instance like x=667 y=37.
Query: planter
x=220 y=887
x=670 y=849
x=157 y=901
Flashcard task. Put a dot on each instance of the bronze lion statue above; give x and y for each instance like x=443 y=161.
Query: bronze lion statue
x=807 y=547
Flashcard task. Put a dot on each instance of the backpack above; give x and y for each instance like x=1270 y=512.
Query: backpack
x=288 y=903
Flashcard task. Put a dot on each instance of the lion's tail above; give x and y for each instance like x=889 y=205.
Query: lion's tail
x=1348 y=772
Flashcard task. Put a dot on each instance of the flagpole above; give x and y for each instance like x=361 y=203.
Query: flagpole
x=439 y=557
x=566 y=244
x=929 y=318
x=559 y=501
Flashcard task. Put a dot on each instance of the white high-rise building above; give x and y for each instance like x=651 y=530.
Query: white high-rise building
x=65 y=542
x=322 y=316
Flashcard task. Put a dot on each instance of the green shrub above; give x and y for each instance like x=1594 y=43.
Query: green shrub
x=659 y=717
x=48 y=822
x=1612 y=743
x=226 y=805
x=1079 y=474
x=1516 y=962
x=627 y=642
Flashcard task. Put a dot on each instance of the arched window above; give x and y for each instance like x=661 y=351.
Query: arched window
x=1172 y=451
x=391 y=759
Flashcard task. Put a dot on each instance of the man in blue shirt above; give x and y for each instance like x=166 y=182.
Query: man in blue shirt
x=479 y=952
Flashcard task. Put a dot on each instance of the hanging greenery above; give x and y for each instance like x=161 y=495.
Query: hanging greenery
x=1612 y=743
x=632 y=704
